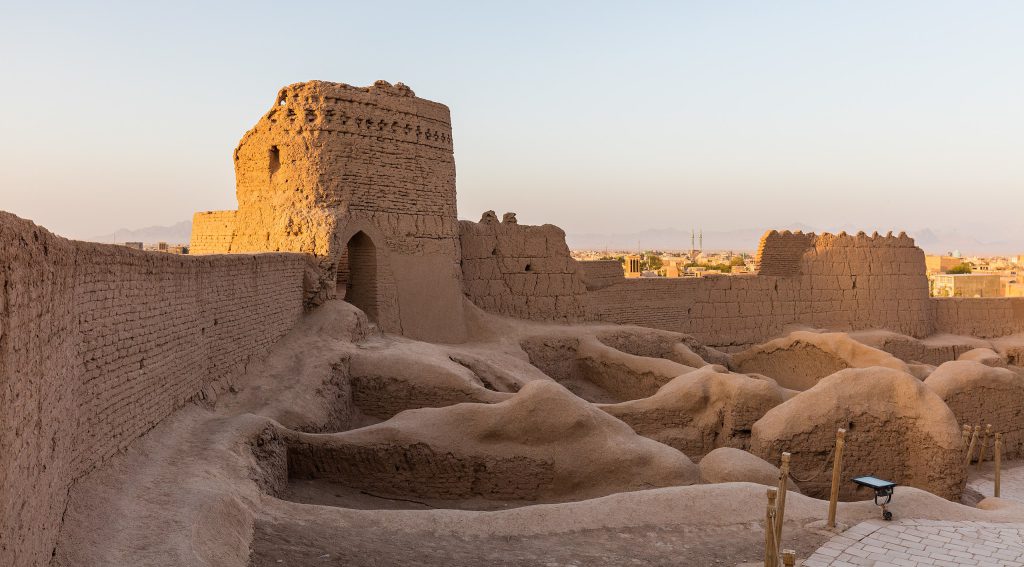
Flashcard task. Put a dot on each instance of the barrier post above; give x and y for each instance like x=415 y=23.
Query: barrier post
x=998 y=458
x=974 y=441
x=780 y=506
x=984 y=442
x=837 y=467
x=770 y=552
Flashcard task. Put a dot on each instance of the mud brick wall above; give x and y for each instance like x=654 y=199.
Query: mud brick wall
x=98 y=343
x=521 y=271
x=841 y=282
x=418 y=471
x=212 y=232
x=979 y=317
x=599 y=274
x=384 y=397
x=781 y=253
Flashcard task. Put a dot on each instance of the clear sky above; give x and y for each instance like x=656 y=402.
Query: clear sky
x=597 y=117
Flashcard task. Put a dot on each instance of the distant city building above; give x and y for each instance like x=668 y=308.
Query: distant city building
x=135 y=245
x=966 y=285
x=940 y=264
x=634 y=266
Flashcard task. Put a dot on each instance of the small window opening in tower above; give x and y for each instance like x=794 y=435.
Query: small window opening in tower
x=275 y=160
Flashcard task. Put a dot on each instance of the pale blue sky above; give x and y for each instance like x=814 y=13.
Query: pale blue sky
x=596 y=117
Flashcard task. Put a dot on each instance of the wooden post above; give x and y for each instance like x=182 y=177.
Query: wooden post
x=837 y=467
x=974 y=441
x=998 y=458
x=770 y=552
x=984 y=442
x=780 y=506
x=966 y=434
x=788 y=557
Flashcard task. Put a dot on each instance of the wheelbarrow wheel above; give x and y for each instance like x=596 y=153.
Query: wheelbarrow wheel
x=887 y=516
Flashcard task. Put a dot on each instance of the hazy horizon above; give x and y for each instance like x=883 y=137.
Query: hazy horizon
x=601 y=119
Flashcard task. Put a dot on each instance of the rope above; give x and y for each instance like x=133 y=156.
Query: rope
x=824 y=467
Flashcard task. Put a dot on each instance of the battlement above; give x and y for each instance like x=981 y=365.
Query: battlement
x=381 y=110
x=783 y=253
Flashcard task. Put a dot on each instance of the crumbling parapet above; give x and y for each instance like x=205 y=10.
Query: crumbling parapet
x=519 y=270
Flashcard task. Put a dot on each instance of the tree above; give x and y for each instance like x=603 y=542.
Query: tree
x=653 y=262
x=737 y=261
x=961 y=268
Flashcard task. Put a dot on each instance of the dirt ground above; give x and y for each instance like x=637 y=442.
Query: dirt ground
x=291 y=545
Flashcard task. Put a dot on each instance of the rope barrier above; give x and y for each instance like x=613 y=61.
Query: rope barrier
x=824 y=466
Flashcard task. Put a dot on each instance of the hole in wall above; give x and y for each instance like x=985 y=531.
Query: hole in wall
x=528 y=268
x=274 y=159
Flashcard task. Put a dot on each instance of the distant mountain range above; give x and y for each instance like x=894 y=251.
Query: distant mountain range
x=179 y=233
x=740 y=240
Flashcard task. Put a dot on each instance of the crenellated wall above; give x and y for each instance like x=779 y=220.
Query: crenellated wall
x=99 y=343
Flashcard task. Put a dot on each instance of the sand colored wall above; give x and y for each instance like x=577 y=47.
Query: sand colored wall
x=782 y=253
x=212 y=232
x=979 y=317
x=520 y=271
x=599 y=274
x=329 y=160
x=98 y=343
x=841 y=282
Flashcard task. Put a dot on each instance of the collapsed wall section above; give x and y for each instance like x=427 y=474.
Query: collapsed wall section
x=99 y=343
x=520 y=271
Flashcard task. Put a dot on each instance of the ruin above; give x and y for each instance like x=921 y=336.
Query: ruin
x=341 y=364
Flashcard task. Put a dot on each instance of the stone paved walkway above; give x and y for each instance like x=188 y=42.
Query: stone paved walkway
x=911 y=543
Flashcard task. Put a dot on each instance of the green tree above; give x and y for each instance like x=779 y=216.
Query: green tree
x=961 y=268
x=654 y=262
x=737 y=261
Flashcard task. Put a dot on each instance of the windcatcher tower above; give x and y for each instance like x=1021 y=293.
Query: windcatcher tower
x=364 y=179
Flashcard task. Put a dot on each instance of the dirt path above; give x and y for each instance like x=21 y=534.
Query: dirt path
x=292 y=545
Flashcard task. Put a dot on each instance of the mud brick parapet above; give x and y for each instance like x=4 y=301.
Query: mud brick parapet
x=520 y=271
x=99 y=343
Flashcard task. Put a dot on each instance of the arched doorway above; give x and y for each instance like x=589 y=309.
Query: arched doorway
x=360 y=279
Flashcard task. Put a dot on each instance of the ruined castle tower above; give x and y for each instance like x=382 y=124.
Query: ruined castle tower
x=363 y=178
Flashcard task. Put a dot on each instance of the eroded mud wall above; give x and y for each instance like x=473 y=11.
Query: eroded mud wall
x=99 y=343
